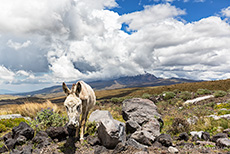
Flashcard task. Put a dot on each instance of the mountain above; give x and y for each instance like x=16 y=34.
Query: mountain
x=143 y=80
x=4 y=91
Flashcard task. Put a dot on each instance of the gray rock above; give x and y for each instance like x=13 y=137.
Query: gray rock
x=223 y=142
x=205 y=143
x=97 y=115
x=23 y=129
x=165 y=140
x=59 y=133
x=93 y=140
x=41 y=139
x=132 y=126
x=111 y=132
x=140 y=110
x=135 y=144
x=227 y=131
x=173 y=149
x=100 y=150
x=153 y=127
x=143 y=137
x=183 y=136
x=199 y=134
x=192 y=120
x=21 y=140
x=205 y=136
x=219 y=135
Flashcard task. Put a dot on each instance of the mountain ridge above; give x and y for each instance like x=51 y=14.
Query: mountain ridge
x=142 y=80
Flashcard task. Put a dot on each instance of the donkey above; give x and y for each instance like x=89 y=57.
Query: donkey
x=79 y=101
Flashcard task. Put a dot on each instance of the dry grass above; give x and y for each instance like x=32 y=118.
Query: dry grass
x=29 y=109
x=4 y=97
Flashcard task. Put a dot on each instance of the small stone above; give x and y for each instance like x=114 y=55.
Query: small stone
x=227 y=131
x=219 y=135
x=165 y=140
x=173 y=149
x=205 y=136
x=183 y=136
x=223 y=142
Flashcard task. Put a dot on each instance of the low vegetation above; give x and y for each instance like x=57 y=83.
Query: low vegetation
x=48 y=118
x=169 y=100
x=31 y=109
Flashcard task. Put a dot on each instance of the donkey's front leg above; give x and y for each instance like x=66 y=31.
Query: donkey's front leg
x=82 y=130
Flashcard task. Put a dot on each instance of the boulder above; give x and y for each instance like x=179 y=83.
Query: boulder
x=173 y=149
x=98 y=115
x=135 y=144
x=183 y=136
x=59 y=133
x=219 y=135
x=93 y=140
x=223 y=142
x=165 y=140
x=140 y=110
x=227 y=131
x=111 y=132
x=205 y=136
x=195 y=133
x=41 y=139
x=23 y=129
x=132 y=126
x=143 y=137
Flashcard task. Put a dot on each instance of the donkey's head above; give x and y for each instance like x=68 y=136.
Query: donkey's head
x=73 y=103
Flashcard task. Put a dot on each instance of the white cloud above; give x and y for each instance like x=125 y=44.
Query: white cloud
x=81 y=40
x=16 y=45
x=199 y=1
x=6 y=76
x=151 y=14
x=226 y=12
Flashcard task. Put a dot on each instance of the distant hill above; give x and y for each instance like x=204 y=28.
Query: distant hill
x=4 y=91
x=144 y=80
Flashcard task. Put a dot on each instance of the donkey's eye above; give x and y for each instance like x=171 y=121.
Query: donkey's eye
x=66 y=108
x=78 y=108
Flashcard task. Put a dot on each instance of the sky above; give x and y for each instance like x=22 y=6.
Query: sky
x=43 y=43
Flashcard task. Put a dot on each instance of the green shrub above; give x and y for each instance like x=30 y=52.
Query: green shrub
x=91 y=128
x=223 y=112
x=7 y=124
x=203 y=91
x=2 y=128
x=219 y=93
x=179 y=125
x=168 y=95
x=223 y=105
x=185 y=95
x=48 y=118
x=146 y=96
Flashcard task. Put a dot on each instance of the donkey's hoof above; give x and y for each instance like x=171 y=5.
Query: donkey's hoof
x=82 y=140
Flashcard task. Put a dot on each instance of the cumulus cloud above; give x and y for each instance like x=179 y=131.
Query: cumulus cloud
x=80 y=39
x=226 y=12
x=16 y=45
x=7 y=76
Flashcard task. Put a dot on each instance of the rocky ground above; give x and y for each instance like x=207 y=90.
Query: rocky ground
x=140 y=134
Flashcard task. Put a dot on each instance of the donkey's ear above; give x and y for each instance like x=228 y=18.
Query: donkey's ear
x=65 y=89
x=78 y=88
x=74 y=88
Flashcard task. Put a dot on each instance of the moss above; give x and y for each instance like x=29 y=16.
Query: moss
x=223 y=112
x=223 y=105
x=168 y=95
x=91 y=128
x=146 y=95
x=185 y=95
x=7 y=124
x=219 y=93
x=203 y=91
